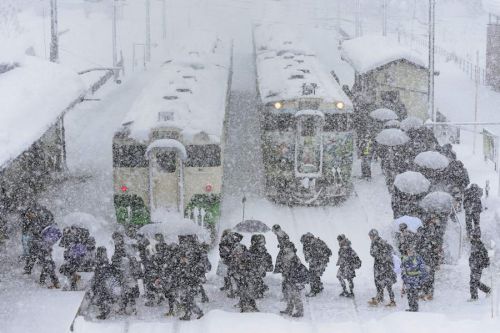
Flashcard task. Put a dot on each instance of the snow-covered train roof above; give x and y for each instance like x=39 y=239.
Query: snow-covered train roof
x=288 y=70
x=33 y=94
x=370 y=52
x=188 y=93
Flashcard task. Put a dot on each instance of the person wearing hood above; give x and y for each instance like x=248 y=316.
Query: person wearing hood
x=413 y=273
x=457 y=179
x=101 y=293
x=383 y=268
x=263 y=263
x=228 y=243
x=283 y=242
x=348 y=263
x=295 y=277
x=473 y=208
x=478 y=260
x=317 y=254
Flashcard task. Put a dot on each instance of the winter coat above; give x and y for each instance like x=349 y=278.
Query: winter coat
x=283 y=246
x=295 y=274
x=456 y=175
x=406 y=240
x=428 y=245
x=317 y=254
x=227 y=245
x=383 y=266
x=472 y=199
x=478 y=258
x=348 y=261
x=263 y=261
x=413 y=271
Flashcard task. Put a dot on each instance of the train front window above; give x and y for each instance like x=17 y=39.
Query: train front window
x=129 y=156
x=200 y=156
x=166 y=161
x=309 y=146
x=338 y=122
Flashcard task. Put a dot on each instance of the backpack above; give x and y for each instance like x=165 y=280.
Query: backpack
x=51 y=234
x=356 y=263
x=78 y=251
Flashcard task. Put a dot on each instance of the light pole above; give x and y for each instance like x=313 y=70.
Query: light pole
x=148 y=30
x=384 y=17
x=54 y=40
x=432 y=27
x=114 y=34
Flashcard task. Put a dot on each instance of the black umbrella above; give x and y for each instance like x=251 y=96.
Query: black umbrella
x=251 y=226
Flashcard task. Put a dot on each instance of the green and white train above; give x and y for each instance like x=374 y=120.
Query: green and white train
x=168 y=153
x=306 y=122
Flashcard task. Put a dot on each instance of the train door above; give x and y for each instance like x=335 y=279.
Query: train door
x=166 y=179
x=309 y=144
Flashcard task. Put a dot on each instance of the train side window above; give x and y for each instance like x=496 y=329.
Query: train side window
x=203 y=156
x=129 y=156
x=166 y=161
x=280 y=122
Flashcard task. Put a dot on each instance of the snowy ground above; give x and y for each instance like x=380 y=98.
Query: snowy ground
x=25 y=306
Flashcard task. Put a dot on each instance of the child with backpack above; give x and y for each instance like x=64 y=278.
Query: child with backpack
x=414 y=274
x=348 y=263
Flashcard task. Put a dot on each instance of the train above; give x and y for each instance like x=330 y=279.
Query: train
x=168 y=152
x=306 y=122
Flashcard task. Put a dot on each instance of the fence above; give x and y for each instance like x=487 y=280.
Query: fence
x=472 y=70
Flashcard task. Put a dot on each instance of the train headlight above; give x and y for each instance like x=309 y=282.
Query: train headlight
x=339 y=105
x=209 y=188
x=278 y=105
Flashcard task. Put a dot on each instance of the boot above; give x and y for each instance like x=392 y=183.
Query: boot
x=298 y=315
x=373 y=302
x=287 y=311
x=391 y=304
x=344 y=294
x=350 y=294
x=185 y=317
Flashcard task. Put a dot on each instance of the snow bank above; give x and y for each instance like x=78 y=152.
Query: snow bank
x=432 y=160
x=370 y=52
x=33 y=95
x=392 y=137
x=412 y=182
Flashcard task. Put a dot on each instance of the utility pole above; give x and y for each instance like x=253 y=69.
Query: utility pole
x=148 y=30
x=114 y=34
x=432 y=27
x=384 y=17
x=357 y=19
x=54 y=41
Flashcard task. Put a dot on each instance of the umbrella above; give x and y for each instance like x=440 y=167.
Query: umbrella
x=437 y=202
x=432 y=160
x=411 y=182
x=411 y=123
x=392 y=137
x=173 y=228
x=412 y=222
x=392 y=124
x=251 y=226
x=383 y=115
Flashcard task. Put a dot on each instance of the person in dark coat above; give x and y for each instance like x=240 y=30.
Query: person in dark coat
x=406 y=239
x=429 y=248
x=392 y=101
x=366 y=152
x=348 y=262
x=150 y=270
x=245 y=272
x=166 y=262
x=457 y=179
x=101 y=293
x=317 y=254
x=78 y=246
x=263 y=263
x=283 y=243
x=229 y=241
x=447 y=150
x=478 y=260
x=383 y=268
x=413 y=273
x=295 y=277
x=473 y=208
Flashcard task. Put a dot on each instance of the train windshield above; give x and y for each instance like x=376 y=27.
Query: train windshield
x=309 y=146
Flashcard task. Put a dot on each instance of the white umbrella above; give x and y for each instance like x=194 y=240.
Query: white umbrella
x=175 y=226
x=383 y=115
x=412 y=222
x=437 y=202
x=412 y=182
x=392 y=137
x=411 y=123
x=432 y=160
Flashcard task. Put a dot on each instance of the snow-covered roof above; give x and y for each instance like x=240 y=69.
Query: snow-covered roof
x=492 y=6
x=288 y=70
x=33 y=94
x=412 y=182
x=168 y=143
x=371 y=52
x=188 y=93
